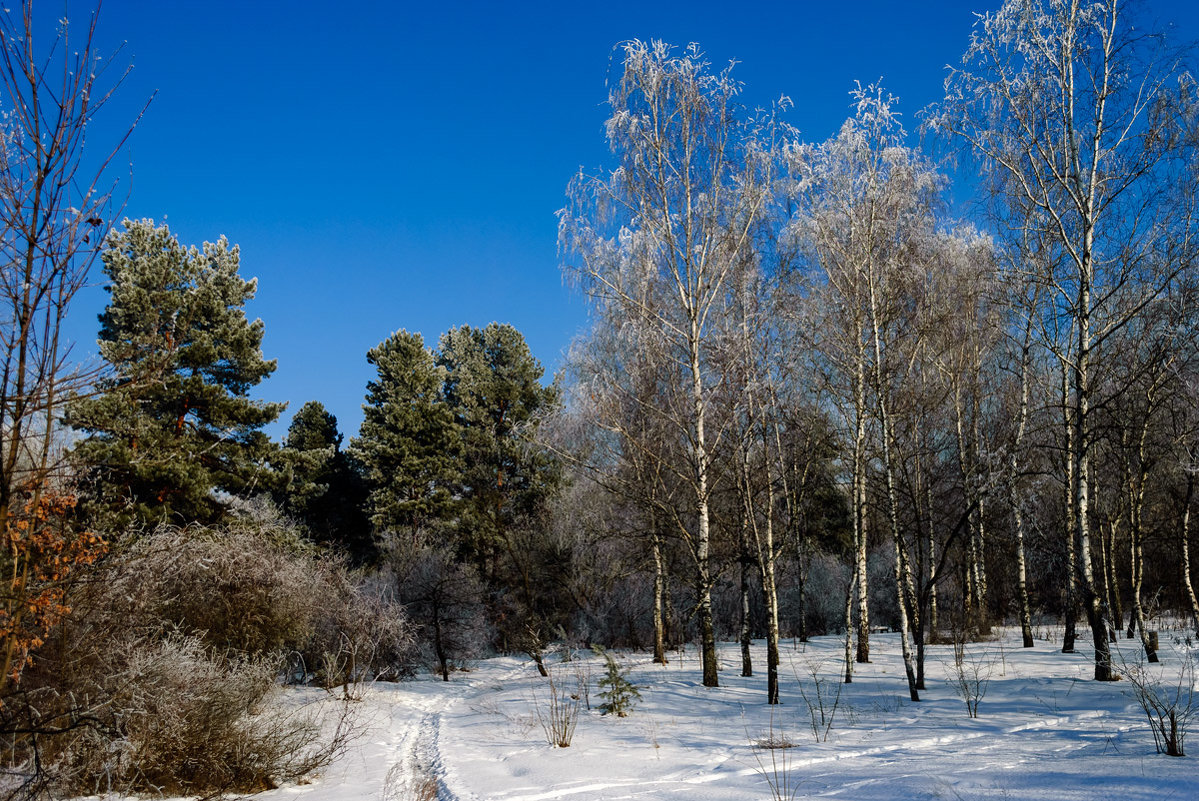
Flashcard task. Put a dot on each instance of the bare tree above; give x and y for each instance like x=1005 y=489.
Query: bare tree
x=55 y=207
x=622 y=399
x=1184 y=437
x=760 y=452
x=868 y=219
x=1070 y=107
x=970 y=325
x=1023 y=308
x=661 y=236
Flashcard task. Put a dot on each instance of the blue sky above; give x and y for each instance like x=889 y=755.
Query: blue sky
x=398 y=165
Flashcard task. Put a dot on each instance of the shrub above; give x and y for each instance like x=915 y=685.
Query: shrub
x=165 y=676
x=361 y=633
x=252 y=592
x=778 y=769
x=557 y=709
x=43 y=553
x=190 y=723
x=969 y=674
x=822 y=696
x=1166 y=694
x=234 y=588
x=168 y=715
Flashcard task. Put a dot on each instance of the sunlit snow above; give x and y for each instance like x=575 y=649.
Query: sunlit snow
x=1044 y=731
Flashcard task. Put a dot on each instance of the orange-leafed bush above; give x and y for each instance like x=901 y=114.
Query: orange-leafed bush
x=42 y=553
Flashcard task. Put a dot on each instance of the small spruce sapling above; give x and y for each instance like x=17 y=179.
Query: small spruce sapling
x=618 y=692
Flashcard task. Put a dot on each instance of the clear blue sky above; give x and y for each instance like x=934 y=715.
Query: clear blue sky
x=398 y=165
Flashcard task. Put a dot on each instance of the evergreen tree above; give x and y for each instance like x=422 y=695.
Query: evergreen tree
x=171 y=433
x=409 y=441
x=323 y=488
x=313 y=428
x=447 y=452
x=492 y=384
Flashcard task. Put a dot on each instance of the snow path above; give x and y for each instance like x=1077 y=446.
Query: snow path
x=450 y=785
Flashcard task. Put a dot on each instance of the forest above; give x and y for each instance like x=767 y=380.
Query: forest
x=815 y=398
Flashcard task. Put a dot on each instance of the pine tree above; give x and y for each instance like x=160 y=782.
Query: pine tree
x=323 y=488
x=492 y=384
x=171 y=433
x=409 y=441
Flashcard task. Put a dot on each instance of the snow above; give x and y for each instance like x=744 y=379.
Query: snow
x=1044 y=731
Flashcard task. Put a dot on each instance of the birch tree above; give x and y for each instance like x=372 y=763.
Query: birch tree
x=660 y=237
x=867 y=215
x=1070 y=109
x=620 y=393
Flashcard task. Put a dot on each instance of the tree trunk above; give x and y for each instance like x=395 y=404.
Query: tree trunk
x=1022 y=575
x=1014 y=483
x=671 y=629
x=439 y=646
x=914 y=614
x=747 y=662
x=1097 y=613
x=703 y=577
x=1186 y=552
x=905 y=641
x=859 y=515
x=1107 y=556
x=932 y=567
x=659 y=591
x=770 y=591
x=747 y=511
x=974 y=585
x=801 y=587
x=1138 y=577
x=765 y=555
x=1136 y=529
x=1071 y=599
x=849 y=592
x=884 y=413
x=980 y=565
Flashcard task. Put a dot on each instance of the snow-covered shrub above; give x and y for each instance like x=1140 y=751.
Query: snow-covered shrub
x=168 y=715
x=239 y=590
x=361 y=632
x=166 y=672
x=256 y=591
x=188 y=722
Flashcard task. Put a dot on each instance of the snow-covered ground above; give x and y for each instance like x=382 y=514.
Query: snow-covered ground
x=1044 y=731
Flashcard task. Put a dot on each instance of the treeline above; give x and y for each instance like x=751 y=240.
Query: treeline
x=810 y=400
x=804 y=368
